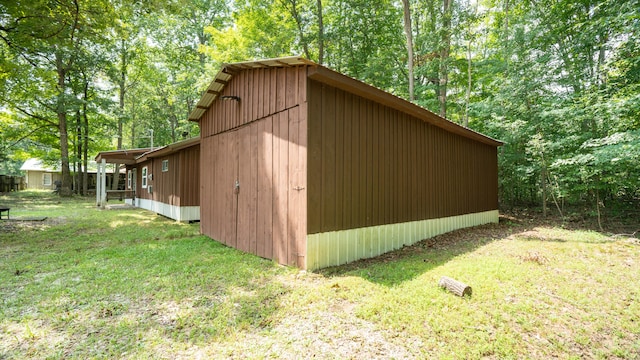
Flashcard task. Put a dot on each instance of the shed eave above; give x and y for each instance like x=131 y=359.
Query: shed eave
x=168 y=149
x=126 y=157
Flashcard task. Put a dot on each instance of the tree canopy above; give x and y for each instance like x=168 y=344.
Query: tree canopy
x=557 y=80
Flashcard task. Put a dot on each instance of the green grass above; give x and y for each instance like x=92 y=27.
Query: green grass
x=90 y=283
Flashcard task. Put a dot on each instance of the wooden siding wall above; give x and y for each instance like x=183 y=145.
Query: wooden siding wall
x=370 y=165
x=179 y=185
x=188 y=161
x=261 y=143
x=262 y=92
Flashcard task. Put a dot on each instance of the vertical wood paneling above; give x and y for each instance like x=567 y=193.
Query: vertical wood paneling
x=386 y=136
x=302 y=84
x=328 y=171
x=375 y=164
x=415 y=166
x=281 y=169
x=245 y=205
x=339 y=159
x=281 y=79
x=262 y=93
x=255 y=94
x=353 y=162
x=367 y=120
x=395 y=182
x=361 y=182
x=243 y=81
x=253 y=191
x=379 y=166
x=231 y=199
x=295 y=188
x=347 y=166
x=300 y=210
x=291 y=97
x=273 y=91
x=266 y=178
x=314 y=168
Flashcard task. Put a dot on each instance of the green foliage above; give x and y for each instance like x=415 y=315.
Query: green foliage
x=550 y=78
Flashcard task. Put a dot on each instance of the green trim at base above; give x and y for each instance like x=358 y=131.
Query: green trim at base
x=340 y=247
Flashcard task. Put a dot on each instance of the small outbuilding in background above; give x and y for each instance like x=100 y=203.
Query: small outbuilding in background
x=165 y=180
x=312 y=168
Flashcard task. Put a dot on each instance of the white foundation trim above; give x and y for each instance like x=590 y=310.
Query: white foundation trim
x=179 y=213
x=340 y=247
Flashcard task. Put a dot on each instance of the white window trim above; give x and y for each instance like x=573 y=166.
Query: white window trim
x=129 y=179
x=145 y=171
x=165 y=165
x=46 y=176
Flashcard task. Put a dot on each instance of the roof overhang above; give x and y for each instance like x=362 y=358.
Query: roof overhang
x=127 y=157
x=169 y=149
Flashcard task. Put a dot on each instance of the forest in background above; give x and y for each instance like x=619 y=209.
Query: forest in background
x=557 y=80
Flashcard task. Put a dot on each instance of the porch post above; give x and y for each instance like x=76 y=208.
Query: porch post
x=103 y=184
x=98 y=183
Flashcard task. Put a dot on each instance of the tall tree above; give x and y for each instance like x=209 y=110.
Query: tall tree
x=408 y=31
x=445 y=48
x=47 y=40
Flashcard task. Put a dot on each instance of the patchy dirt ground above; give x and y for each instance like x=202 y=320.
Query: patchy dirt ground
x=14 y=225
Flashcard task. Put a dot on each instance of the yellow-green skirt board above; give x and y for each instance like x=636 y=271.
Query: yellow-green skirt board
x=340 y=247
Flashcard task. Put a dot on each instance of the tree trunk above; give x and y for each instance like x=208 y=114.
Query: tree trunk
x=122 y=92
x=133 y=126
x=543 y=180
x=409 y=34
x=469 y=63
x=65 y=187
x=467 y=99
x=78 y=139
x=85 y=140
x=320 y=34
x=298 y=20
x=444 y=57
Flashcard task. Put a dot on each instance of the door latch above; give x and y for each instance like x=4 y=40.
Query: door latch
x=236 y=189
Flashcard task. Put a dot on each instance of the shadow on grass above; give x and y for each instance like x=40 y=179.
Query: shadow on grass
x=394 y=268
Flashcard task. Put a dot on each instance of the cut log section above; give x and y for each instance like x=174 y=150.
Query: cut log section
x=455 y=286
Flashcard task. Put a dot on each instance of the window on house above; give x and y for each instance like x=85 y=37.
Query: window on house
x=165 y=165
x=128 y=179
x=144 y=177
x=46 y=179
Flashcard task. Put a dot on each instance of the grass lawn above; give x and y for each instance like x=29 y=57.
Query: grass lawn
x=89 y=283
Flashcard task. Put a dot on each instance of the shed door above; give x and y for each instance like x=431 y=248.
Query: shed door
x=235 y=198
x=224 y=203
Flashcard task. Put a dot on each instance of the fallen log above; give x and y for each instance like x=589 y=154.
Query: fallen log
x=455 y=286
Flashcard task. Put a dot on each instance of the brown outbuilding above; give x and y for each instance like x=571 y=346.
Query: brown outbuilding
x=165 y=180
x=312 y=168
